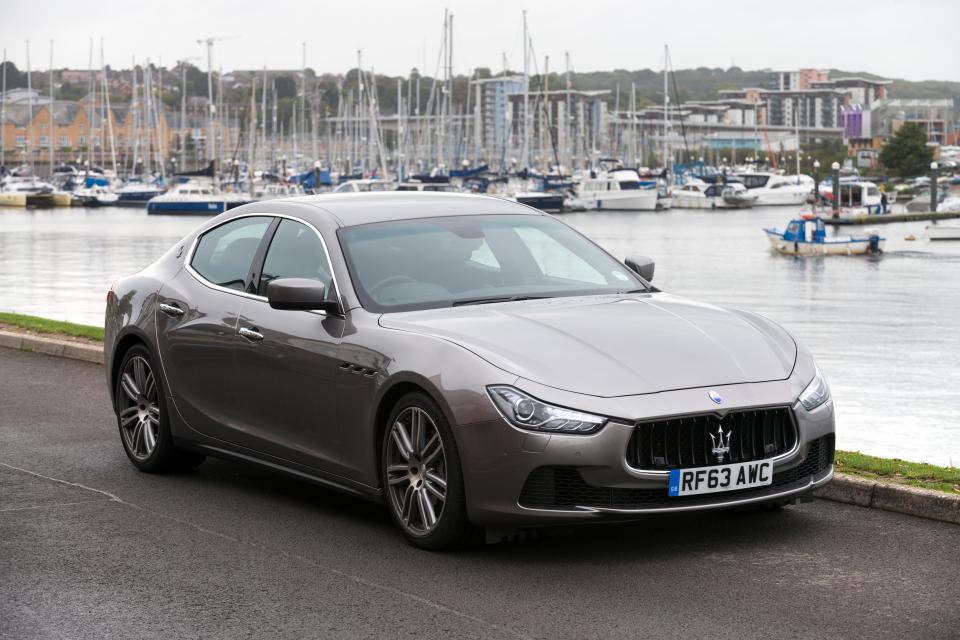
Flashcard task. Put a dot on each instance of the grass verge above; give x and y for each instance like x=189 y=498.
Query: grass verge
x=42 y=325
x=926 y=476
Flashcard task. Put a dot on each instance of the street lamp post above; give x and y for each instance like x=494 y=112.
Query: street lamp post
x=816 y=182
x=836 y=189
x=933 y=186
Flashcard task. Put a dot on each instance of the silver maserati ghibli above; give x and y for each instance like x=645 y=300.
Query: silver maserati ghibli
x=473 y=363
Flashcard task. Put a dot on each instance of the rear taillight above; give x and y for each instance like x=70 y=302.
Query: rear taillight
x=110 y=291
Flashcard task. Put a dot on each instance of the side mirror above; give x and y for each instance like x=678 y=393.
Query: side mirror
x=300 y=294
x=642 y=266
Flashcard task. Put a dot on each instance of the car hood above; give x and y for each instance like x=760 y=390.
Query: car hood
x=614 y=345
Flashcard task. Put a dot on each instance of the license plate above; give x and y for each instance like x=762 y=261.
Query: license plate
x=724 y=477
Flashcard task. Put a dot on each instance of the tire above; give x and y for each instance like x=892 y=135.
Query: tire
x=414 y=475
x=141 y=409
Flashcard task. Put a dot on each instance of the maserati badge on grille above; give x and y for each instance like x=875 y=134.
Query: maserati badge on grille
x=721 y=443
x=715 y=397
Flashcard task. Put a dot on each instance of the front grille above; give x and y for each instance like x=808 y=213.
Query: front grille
x=684 y=442
x=565 y=488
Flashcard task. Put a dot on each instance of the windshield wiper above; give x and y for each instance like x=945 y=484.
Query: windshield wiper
x=491 y=300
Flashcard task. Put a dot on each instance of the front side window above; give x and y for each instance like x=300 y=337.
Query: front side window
x=295 y=252
x=224 y=254
x=440 y=262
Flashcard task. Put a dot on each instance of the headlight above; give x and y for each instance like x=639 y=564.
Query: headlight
x=525 y=412
x=816 y=392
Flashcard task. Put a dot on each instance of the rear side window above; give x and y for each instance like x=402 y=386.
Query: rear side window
x=295 y=252
x=224 y=254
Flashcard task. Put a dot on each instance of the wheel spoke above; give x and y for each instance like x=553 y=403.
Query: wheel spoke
x=402 y=440
x=416 y=428
x=136 y=437
x=426 y=510
x=432 y=488
x=129 y=386
x=149 y=438
x=397 y=473
x=139 y=375
x=432 y=449
x=436 y=479
x=150 y=386
x=406 y=505
x=128 y=415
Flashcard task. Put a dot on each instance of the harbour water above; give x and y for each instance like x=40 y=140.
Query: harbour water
x=884 y=330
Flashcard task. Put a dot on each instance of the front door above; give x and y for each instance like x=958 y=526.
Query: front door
x=286 y=361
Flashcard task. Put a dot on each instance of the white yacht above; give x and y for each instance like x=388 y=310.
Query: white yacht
x=275 y=190
x=95 y=196
x=195 y=197
x=619 y=189
x=697 y=194
x=775 y=189
x=364 y=186
x=26 y=189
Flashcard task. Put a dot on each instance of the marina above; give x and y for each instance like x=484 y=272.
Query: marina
x=863 y=316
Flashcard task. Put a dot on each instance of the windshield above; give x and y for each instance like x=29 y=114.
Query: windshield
x=440 y=262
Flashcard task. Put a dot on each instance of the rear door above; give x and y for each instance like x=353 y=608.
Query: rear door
x=197 y=319
x=286 y=361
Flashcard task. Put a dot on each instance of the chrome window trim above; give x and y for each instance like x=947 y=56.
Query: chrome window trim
x=243 y=294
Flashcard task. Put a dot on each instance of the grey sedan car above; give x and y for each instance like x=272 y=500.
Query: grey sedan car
x=475 y=364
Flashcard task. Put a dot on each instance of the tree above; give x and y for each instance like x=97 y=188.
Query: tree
x=907 y=153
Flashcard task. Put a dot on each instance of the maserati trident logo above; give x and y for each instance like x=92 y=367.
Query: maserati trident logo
x=715 y=397
x=721 y=443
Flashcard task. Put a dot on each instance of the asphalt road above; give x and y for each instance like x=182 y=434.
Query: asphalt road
x=91 y=548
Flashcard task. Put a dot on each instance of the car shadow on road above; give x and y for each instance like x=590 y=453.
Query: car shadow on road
x=654 y=538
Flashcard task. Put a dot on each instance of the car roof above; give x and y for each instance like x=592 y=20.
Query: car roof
x=351 y=209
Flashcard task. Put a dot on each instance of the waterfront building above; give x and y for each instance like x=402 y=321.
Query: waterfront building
x=934 y=116
x=494 y=100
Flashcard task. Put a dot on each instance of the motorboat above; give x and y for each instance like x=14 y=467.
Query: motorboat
x=697 y=194
x=194 y=197
x=276 y=190
x=551 y=201
x=943 y=232
x=949 y=205
x=735 y=196
x=808 y=237
x=774 y=189
x=619 y=189
x=365 y=185
x=857 y=197
x=137 y=192
x=30 y=189
x=95 y=196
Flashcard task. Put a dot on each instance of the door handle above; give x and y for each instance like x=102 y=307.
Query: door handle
x=250 y=334
x=171 y=310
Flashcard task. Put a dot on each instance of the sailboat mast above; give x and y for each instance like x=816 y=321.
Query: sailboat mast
x=667 y=163
x=109 y=115
x=3 y=111
x=29 y=107
x=53 y=121
x=525 y=149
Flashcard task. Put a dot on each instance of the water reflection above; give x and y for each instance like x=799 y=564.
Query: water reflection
x=883 y=329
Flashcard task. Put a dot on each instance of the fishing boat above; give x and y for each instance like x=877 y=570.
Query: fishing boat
x=619 y=189
x=773 y=189
x=808 y=237
x=192 y=197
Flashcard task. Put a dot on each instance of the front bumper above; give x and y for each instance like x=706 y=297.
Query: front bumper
x=515 y=477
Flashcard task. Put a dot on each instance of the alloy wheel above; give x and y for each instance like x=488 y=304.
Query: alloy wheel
x=416 y=471
x=138 y=408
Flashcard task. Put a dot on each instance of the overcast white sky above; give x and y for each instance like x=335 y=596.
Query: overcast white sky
x=916 y=40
